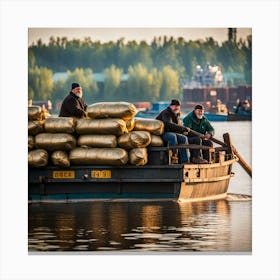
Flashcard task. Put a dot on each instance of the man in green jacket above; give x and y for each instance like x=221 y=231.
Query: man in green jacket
x=196 y=121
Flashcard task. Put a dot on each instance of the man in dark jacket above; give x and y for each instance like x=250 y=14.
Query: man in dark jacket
x=196 y=121
x=174 y=131
x=73 y=104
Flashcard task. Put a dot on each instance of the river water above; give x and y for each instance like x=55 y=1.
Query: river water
x=158 y=226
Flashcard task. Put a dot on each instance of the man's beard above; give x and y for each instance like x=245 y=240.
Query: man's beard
x=176 y=112
x=79 y=94
x=199 y=116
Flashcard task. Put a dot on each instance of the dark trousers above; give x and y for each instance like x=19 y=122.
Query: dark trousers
x=198 y=141
x=172 y=139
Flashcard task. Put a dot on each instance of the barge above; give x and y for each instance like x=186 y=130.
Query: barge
x=159 y=179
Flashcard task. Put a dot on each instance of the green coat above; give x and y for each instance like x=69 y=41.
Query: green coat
x=201 y=126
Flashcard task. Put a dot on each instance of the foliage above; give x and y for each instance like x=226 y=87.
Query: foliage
x=112 y=80
x=154 y=70
x=61 y=54
x=40 y=83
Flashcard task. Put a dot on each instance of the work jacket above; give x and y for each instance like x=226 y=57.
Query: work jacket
x=171 y=121
x=73 y=106
x=201 y=126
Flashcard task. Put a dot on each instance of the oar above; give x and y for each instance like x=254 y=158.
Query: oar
x=241 y=161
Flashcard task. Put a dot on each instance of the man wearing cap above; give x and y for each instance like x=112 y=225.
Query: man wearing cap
x=196 y=121
x=73 y=104
x=174 y=131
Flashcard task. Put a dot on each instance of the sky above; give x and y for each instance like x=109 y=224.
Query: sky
x=138 y=34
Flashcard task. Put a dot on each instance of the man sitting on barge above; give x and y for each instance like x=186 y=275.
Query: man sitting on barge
x=196 y=121
x=174 y=132
x=73 y=105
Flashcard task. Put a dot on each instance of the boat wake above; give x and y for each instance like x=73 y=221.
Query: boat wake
x=238 y=197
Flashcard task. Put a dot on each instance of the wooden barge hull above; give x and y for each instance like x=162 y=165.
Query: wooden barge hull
x=178 y=182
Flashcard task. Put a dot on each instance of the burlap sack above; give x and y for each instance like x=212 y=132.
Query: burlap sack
x=31 y=142
x=123 y=110
x=98 y=141
x=138 y=156
x=60 y=158
x=34 y=113
x=153 y=126
x=101 y=126
x=134 y=139
x=156 y=141
x=55 y=141
x=38 y=158
x=60 y=125
x=130 y=124
x=95 y=156
x=35 y=127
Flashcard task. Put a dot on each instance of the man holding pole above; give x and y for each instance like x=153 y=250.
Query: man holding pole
x=196 y=121
x=175 y=133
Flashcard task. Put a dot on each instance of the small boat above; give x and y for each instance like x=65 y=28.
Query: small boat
x=216 y=117
x=240 y=116
x=159 y=179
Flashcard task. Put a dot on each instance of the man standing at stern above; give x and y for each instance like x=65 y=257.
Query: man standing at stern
x=73 y=104
x=196 y=121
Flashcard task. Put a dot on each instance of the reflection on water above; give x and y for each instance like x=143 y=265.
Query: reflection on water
x=213 y=226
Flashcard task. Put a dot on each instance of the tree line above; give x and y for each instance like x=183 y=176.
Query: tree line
x=154 y=70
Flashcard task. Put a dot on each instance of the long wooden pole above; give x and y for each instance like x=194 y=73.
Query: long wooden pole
x=241 y=161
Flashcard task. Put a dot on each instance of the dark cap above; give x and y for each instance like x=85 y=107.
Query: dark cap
x=198 y=106
x=74 y=85
x=175 y=102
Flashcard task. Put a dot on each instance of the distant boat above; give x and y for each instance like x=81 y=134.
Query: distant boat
x=240 y=116
x=216 y=117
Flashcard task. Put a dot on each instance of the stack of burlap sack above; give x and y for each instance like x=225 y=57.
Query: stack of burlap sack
x=110 y=135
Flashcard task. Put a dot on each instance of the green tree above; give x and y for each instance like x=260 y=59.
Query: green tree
x=31 y=59
x=112 y=80
x=40 y=83
x=155 y=86
x=60 y=91
x=138 y=83
x=170 y=84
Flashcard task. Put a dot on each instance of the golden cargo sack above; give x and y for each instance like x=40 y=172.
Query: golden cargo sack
x=138 y=156
x=38 y=158
x=123 y=110
x=55 y=141
x=60 y=125
x=130 y=124
x=35 y=127
x=96 y=156
x=156 y=141
x=101 y=126
x=34 y=113
x=134 y=139
x=31 y=142
x=98 y=141
x=153 y=126
x=60 y=158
